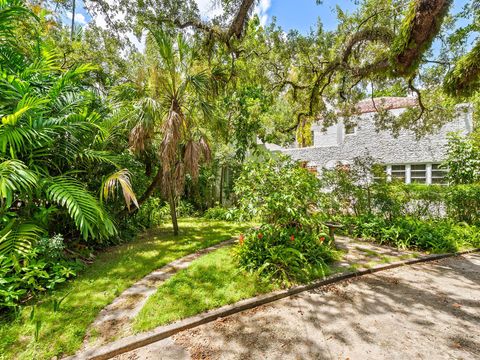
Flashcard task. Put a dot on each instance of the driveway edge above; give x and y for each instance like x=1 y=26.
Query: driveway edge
x=136 y=341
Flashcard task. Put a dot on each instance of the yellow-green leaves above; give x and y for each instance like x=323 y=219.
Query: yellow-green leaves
x=120 y=178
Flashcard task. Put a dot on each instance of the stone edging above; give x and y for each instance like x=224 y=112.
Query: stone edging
x=137 y=341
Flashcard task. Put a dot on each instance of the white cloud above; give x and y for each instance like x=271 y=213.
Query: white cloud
x=208 y=10
x=79 y=18
x=262 y=11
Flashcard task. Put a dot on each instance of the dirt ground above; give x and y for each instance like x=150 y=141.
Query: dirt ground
x=427 y=311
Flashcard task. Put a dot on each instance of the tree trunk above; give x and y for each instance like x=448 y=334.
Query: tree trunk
x=153 y=186
x=73 y=19
x=173 y=212
x=222 y=176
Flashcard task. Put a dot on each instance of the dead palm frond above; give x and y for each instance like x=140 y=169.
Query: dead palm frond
x=171 y=138
x=191 y=158
x=120 y=178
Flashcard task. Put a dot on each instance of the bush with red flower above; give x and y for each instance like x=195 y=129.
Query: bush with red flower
x=286 y=254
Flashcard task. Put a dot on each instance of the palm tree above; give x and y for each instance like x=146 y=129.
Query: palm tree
x=50 y=140
x=174 y=112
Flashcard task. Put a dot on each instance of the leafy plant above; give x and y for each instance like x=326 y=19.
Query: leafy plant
x=278 y=191
x=286 y=254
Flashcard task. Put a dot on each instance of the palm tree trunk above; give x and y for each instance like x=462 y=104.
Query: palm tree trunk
x=173 y=212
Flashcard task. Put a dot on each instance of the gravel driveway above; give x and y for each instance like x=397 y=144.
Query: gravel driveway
x=427 y=311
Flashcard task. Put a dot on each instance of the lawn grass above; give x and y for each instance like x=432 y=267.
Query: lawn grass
x=209 y=282
x=113 y=271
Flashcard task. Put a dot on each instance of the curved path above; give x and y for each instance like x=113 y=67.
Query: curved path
x=115 y=320
x=424 y=311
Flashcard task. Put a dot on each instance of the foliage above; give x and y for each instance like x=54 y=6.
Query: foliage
x=366 y=191
x=225 y=214
x=277 y=191
x=350 y=187
x=463 y=203
x=53 y=141
x=413 y=233
x=286 y=254
x=209 y=282
x=463 y=159
x=62 y=332
x=42 y=268
x=427 y=217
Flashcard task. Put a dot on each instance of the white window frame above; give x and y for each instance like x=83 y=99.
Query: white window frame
x=426 y=173
x=437 y=177
x=408 y=172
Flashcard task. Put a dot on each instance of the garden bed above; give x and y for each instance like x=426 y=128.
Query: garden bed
x=62 y=331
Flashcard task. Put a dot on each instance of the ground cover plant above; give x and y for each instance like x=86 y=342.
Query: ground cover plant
x=438 y=236
x=56 y=324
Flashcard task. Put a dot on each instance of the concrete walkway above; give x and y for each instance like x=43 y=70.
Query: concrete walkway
x=427 y=311
x=115 y=320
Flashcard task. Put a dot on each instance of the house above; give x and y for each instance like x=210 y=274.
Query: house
x=405 y=157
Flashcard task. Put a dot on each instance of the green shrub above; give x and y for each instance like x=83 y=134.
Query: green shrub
x=463 y=158
x=278 y=191
x=286 y=254
x=291 y=245
x=41 y=269
x=225 y=214
x=463 y=203
x=415 y=233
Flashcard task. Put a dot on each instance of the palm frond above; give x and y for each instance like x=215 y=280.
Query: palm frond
x=68 y=77
x=87 y=213
x=19 y=138
x=14 y=176
x=171 y=138
x=120 y=178
x=97 y=156
x=18 y=237
x=191 y=159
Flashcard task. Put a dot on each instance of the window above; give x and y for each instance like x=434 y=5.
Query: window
x=418 y=174
x=350 y=129
x=439 y=175
x=398 y=172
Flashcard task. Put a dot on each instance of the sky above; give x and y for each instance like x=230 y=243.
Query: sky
x=290 y=14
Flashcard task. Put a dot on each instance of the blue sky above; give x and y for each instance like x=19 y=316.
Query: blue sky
x=291 y=14
x=303 y=14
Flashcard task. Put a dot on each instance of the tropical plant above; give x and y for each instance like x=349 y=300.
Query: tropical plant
x=463 y=159
x=442 y=235
x=171 y=114
x=285 y=254
x=278 y=191
x=51 y=135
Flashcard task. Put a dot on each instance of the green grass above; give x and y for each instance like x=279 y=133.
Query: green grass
x=369 y=252
x=113 y=271
x=209 y=282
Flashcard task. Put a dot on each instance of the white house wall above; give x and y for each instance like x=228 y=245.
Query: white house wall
x=330 y=148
